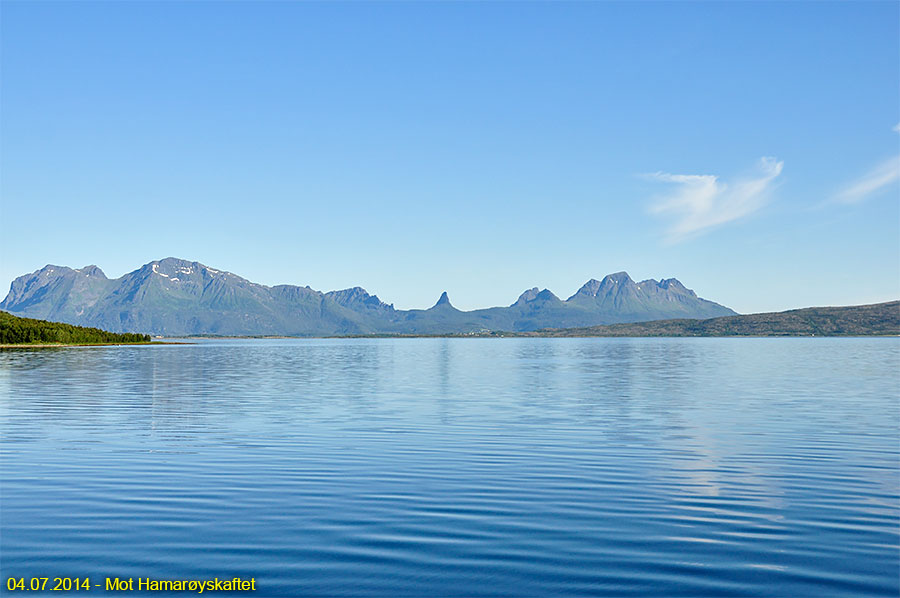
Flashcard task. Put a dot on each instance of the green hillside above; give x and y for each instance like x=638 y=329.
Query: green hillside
x=26 y=331
x=880 y=319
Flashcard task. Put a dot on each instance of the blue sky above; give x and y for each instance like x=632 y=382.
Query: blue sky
x=749 y=149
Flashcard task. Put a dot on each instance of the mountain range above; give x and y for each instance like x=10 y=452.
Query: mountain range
x=175 y=297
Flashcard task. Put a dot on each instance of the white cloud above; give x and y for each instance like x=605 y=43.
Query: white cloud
x=873 y=181
x=703 y=201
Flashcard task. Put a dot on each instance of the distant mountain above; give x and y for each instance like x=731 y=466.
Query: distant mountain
x=879 y=319
x=646 y=300
x=174 y=297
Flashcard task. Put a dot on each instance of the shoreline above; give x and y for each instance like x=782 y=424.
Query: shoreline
x=531 y=335
x=188 y=340
x=67 y=345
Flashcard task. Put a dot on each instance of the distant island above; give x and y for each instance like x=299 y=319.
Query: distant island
x=879 y=319
x=27 y=331
x=175 y=297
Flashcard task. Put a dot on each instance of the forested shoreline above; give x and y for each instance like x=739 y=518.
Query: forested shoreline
x=27 y=331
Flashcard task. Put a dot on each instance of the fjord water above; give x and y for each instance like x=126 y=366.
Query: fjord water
x=448 y=467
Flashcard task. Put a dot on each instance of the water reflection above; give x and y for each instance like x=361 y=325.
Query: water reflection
x=463 y=466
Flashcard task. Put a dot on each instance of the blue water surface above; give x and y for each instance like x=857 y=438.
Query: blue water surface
x=459 y=467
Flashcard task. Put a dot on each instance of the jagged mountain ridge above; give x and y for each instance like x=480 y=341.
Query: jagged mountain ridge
x=175 y=297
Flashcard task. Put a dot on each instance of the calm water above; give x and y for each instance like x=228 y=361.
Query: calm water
x=443 y=467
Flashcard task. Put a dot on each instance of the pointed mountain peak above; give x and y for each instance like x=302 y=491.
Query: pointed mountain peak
x=589 y=288
x=533 y=294
x=613 y=283
x=176 y=261
x=670 y=283
x=173 y=267
x=618 y=278
x=527 y=296
x=610 y=283
x=52 y=269
x=92 y=270
x=444 y=300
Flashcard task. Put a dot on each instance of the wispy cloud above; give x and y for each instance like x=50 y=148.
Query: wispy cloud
x=703 y=201
x=873 y=181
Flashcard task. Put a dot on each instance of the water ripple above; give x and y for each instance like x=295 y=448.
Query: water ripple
x=460 y=467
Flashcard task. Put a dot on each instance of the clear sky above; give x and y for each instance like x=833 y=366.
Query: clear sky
x=749 y=149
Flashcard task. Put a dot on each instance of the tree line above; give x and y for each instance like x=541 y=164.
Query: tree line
x=15 y=330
